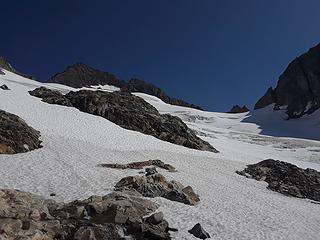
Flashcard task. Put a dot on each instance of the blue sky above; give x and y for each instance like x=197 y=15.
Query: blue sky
x=213 y=53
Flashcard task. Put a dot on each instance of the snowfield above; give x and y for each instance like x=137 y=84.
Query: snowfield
x=231 y=206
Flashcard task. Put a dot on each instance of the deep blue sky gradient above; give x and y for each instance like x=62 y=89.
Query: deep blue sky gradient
x=214 y=53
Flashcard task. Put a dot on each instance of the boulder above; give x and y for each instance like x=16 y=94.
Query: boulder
x=238 y=109
x=114 y=216
x=133 y=113
x=286 y=178
x=4 y=87
x=298 y=87
x=199 y=232
x=50 y=96
x=141 y=165
x=16 y=136
x=156 y=185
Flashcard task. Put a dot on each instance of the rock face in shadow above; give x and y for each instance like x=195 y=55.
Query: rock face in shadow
x=298 y=87
x=286 y=178
x=114 y=216
x=81 y=75
x=238 y=109
x=16 y=136
x=7 y=66
x=156 y=185
x=199 y=232
x=137 y=85
x=133 y=113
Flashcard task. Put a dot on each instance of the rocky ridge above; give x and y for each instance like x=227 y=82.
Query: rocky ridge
x=298 y=87
x=239 y=109
x=130 y=112
x=16 y=136
x=286 y=178
x=81 y=75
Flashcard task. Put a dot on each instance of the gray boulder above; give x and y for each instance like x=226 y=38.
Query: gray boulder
x=4 y=87
x=50 y=96
x=286 y=178
x=156 y=185
x=199 y=232
x=16 y=136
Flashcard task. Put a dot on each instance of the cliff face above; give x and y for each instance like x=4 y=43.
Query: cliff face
x=80 y=75
x=298 y=87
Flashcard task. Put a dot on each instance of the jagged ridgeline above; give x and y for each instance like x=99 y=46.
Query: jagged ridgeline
x=81 y=75
x=298 y=87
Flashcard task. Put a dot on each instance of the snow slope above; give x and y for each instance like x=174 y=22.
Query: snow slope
x=231 y=206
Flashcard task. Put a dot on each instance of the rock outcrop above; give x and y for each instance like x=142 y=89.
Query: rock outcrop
x=298 y=87
x=50 y=96
x=4 y=87
x=141 y=165
x=7 y=66
x=114 y=216
x=16 y=136
x=238 y=109
x=133 y=113
x=156 y=185
x=286 y=178
x=81 y=75
x=199 y=232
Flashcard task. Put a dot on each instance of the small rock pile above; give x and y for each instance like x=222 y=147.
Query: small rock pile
x=286 y=178
x=156 y=185
x=141 y=165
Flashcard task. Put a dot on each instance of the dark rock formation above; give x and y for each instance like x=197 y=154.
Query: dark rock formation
x=4 y=87
x=298 y=87
x=137 y=85
x=286 y=178
x=199 y=232
x=114 y=216
x=133 y=113
x=50 y=96
x=81 y=75
x=238 y=109
x=1 y=72
x=156 y=185
x=7 y=66
x=16 y=136
x=141 y=165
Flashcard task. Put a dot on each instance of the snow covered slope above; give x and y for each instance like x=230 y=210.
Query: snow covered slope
x=231 y=206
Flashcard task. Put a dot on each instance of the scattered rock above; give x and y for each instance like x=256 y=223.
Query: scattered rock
x=151 y=171
x=114 y=216
x=156 y=185
x=199 y=232
x=141 y=165
x=238 y=109
x=298 y=87
x=133 y=113
x=4 y=87
x=286 y=178
x=52 y=194
x=16 y=136
x=50 y=96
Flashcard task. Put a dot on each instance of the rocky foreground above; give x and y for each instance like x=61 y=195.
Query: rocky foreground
x=130 y=112
x=16 y=136
x=117 y=215
x=286 y=178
